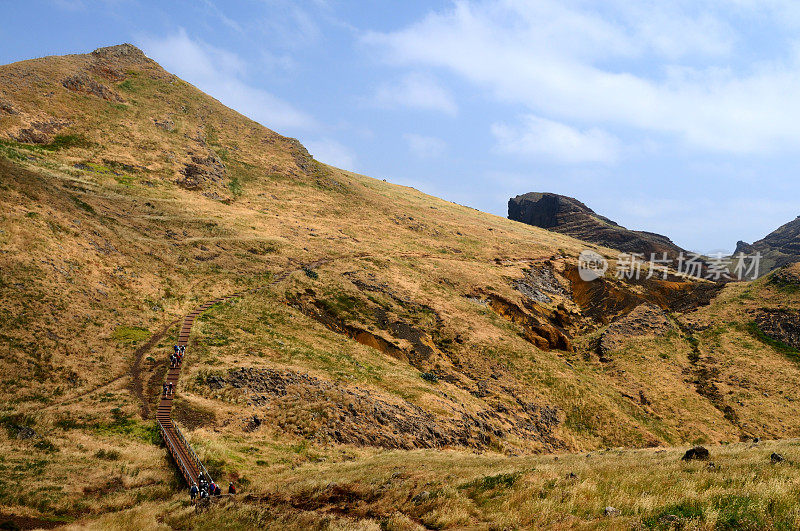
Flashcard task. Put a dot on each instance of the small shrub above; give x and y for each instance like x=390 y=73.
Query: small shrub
x=310 y=273
x=109 y=455
x=65 y=142
x=429 y=377
x=45 y=446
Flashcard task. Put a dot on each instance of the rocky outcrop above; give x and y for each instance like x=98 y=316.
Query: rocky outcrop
x=540 y=326
x=39 y=131
x=569 y=216
x=780 y=325
x=121 y=53
x=201 y=172
x=7 y=108
x=778 y=249
x=330 y=412
x=606 y=299
x=539 y=283
x=86 y=85
x=786 y=279
x=645 y=319
x=167 y=124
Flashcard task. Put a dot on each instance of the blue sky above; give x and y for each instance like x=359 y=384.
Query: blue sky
x=675 y=117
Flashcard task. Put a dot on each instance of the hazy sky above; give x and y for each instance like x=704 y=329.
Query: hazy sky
x=676 y=117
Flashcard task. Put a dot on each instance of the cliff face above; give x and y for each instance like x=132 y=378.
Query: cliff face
x=569 y=216
x=779 y=248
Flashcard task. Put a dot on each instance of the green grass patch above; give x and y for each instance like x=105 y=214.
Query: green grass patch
x=738 y=512
x=108 y=455
x=235 y=187
x=124 y=180
x=675 y=516
x=11 y=153
x=66 y=142
x=130 y=335
x=124 y=425
x=127 y=86
x=484 y=490
x=83 y=205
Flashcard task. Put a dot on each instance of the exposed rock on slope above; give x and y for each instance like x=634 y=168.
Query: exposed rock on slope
x=202 y=171
x=83 y=83
x=645 y=319
x=779 y=248
x=569 y=216
x=330 y=412
x=780 y=325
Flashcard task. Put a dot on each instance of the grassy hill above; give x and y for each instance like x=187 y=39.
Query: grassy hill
x=403 y=344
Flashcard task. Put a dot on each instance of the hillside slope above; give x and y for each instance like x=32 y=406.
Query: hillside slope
x=779 y=248
x=392 y=321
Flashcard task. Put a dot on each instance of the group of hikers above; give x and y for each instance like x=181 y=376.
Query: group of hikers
x=177 y=356
x=202 y=488
x=207 y=489
x=175 y=360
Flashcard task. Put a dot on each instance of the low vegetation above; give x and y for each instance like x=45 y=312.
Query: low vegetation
x=390 y=374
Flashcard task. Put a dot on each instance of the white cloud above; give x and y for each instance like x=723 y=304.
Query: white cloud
x=425 y=146
x=331 y=152
x=542 y=138
x=417 y=91
x=221 y=74
x=665 y=68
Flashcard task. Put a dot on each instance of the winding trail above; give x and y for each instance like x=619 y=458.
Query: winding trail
x=189 y=465
x=187 y=461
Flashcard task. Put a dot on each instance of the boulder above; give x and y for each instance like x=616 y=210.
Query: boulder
x=700 y=453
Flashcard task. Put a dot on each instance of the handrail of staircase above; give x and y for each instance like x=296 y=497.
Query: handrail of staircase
x=175 y=454
x=192 y=454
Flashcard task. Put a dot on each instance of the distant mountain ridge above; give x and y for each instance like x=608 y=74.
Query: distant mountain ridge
x=567 y=215
x=779 y=248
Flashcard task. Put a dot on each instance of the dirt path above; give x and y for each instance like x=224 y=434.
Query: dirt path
x=135 y=371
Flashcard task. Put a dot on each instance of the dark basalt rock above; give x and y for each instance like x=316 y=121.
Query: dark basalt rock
x=202 y=171
x=698 y=453
x=779 y=248
x=780 y=324
x=569 y=216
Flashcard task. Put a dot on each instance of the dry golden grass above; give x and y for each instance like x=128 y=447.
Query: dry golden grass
x=99 y=250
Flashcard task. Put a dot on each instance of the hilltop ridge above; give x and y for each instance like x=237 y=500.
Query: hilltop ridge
x=407 y=360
